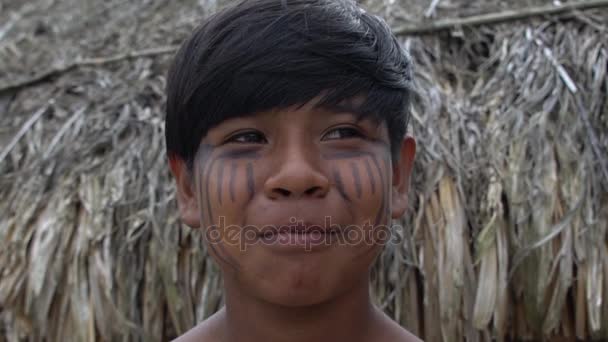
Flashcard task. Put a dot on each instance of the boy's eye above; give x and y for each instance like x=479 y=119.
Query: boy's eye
x=343 y=133
x=248 y=137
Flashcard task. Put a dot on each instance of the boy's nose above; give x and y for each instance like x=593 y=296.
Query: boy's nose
x=296 y=177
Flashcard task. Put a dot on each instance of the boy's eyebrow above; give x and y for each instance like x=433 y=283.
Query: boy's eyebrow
x=345 y=108
x=350 y=108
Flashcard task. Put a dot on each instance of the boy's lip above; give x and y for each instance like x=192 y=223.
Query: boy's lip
x=296 y=228
x=298 y=237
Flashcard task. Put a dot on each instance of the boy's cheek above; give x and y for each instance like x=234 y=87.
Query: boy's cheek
x=363 y=184
x=229 y=188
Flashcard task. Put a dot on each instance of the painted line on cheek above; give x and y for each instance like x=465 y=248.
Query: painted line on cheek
x=232 y=177
x=340 y=185
x=250 y=181
x=356 y=178
x=222 y=255
x=356 y=174
x=384 y=207
x=220 y=181
x=382 y=182
x=207 y=167
x=372 y=181
x=207 y=197
x=203 y=158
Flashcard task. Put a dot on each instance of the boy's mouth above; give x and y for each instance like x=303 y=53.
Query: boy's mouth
x=298 y=237
x=299 y=229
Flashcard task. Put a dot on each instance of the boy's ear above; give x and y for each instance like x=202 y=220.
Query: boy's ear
x=186 y=195
x=402 y=171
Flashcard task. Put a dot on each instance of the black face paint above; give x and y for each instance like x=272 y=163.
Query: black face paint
x=384 y=210
x=371 y=176
x=203 y=161
x=206 y=166
x=250 y=181
x=356 y=178
x=232 y=157
x=383 y=185
x=340 y=185
x=220 y=182
x=207 y=197
x=232 y=177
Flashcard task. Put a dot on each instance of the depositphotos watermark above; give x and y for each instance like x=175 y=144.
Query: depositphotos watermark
x=300 y=234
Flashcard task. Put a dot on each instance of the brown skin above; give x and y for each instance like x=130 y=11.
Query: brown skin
x=304 y=163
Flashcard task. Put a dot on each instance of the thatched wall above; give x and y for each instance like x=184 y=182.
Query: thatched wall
x=507 y=234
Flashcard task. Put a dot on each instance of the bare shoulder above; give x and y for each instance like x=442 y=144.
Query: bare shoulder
x=391 y=331
x=206 y=331
x=401 y=334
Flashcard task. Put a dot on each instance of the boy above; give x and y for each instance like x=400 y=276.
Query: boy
x=285 y=133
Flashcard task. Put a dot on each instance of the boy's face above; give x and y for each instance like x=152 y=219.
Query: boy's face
x=295 y=203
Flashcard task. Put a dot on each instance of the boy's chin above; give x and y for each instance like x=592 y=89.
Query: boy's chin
x=299 y=298
x=290 y=288
x=300 y=279
x=296 y=299
x=297 y=288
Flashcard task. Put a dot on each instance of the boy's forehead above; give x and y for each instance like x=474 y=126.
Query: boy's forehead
x=313 y=112
x=351 y=105
x=317 y=109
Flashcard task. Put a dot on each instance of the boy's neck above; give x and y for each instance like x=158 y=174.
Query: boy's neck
x=349 y=317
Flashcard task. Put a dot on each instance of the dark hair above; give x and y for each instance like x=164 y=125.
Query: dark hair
x=269 y=54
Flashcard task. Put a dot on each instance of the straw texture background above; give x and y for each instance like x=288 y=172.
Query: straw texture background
x=506 y=238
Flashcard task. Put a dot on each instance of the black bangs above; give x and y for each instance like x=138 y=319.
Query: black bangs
x=263 y=55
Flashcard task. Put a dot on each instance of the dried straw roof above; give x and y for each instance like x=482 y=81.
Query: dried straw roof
x=507 y=235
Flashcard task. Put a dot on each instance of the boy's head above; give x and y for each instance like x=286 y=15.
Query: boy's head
x=271 y=54
x=285 y=133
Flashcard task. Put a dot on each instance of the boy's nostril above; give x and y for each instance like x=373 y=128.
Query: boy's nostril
x=286 y=193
